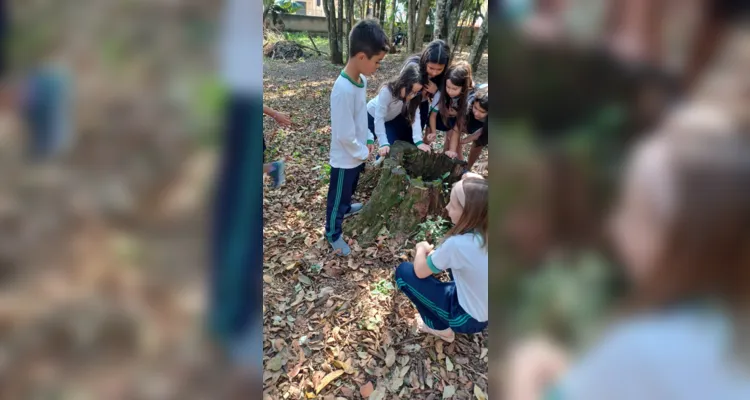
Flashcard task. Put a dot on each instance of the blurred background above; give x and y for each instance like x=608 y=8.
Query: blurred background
x=108 y=137
x=580 y=82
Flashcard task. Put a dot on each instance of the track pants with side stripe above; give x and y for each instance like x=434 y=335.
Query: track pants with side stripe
x=436 y=301
x=236 y=291
x=340 y=190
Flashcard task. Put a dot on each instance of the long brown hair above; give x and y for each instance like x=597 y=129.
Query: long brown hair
x=436 y=52
x=410 y=75
x=707 y=246
x=460 y=75
x=475 y=214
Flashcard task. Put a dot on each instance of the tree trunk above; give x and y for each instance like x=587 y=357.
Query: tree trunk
x=440 y=19
x=411 y=26
x=477 y=13
x=345 y=29
x=410 y=186
x=366 y=11
x=349 y=22
x=424 y=7
x=333 y=36
x=454 y=16
x=340 y=29
x=479 y=45
x=393 y=21
x=382 y=13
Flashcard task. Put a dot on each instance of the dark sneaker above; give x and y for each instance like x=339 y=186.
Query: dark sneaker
x=277 y=173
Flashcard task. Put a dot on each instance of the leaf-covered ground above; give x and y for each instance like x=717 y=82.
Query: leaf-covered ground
x=337 y=327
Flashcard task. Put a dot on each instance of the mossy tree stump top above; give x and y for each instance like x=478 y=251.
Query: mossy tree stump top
x=412 y=184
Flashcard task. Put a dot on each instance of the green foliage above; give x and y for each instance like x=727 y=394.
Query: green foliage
x=316 y=268
x=325 y=173
x=382 y=288
x=567 y=297
x=432 y=229
x=276 y=9
x=287 y=6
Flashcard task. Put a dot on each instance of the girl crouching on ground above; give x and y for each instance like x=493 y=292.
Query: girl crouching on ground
x=461 y=304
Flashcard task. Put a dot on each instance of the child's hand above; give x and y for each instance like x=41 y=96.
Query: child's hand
x=282 y=119
x=425 y=147
x=431 y=87
x=533 y=366
x=472 y=137
x=431 y=137
x=370 y=148
x=383 y=151
x=425 y=246
x=451 y=154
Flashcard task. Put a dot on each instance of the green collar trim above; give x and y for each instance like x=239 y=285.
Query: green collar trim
x=349 y=78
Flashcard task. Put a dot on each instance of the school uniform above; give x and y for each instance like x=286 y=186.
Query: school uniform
x=235 y=301
x=688 y=352
x=447 y=123
x=474 y=124
x=462 y=303
x=349 y=139
x=385 y=118
x=426 y=105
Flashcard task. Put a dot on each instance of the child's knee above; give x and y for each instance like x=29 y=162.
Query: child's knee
x=404 y=271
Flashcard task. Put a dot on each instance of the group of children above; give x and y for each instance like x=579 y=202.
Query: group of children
x=432 y=94
x=401 y=111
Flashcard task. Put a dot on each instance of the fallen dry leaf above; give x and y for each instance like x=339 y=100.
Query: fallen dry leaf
x=390 y=357
x=478 y=393
x=328 y=379
x=275 y=363
x=366 y=390
x=344 y=366
x=378 y=394
x=449 y=391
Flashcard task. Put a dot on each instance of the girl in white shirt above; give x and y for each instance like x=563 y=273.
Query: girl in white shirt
x=394 y=113
x=461 y=304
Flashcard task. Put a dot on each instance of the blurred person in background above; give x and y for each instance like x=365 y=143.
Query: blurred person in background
x=635 y=30
x=236 y=292
x=682 y=230
x=43 y=96
x=47 y=98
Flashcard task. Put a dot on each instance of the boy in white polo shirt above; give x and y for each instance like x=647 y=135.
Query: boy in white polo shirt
x=351 y=140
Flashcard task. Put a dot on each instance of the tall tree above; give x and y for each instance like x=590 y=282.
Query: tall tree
x=393 y=20
x=382 y=13
x=479 y=45
x=441 y=6
x=333 y=36
x=366 y=11
x=454 y=15
x=349 y=24
x=424 y=7
x=477 y=14
x=340 y=28
x=411 y=26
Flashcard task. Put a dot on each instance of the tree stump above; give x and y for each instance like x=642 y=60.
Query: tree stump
x=411 y=184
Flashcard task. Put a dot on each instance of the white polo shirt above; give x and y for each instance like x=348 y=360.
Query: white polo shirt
x=469 y=263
